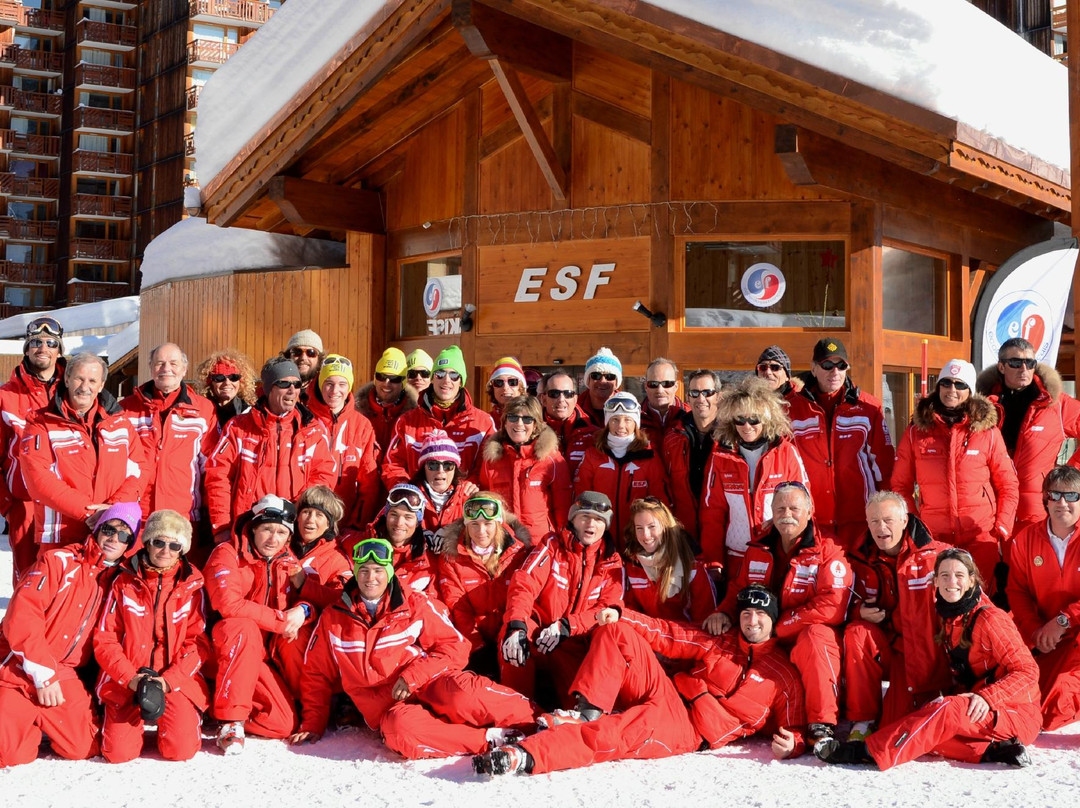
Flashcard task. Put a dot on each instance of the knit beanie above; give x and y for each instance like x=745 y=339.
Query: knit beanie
x=419 y=359
x=591 y=502
x=306 y=337
x=774 y=353
x=757 y=596
x=622 y=404
x=277 y=369
x=508 y=366
x=336 y=365
x=391 y=363
x=451 y=358
x=438 y=446
x=130 y=513
x=604 y=361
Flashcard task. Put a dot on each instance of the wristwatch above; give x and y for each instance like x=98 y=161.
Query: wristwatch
x=1063 y=620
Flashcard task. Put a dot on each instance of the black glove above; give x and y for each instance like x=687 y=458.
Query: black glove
x=150 y=696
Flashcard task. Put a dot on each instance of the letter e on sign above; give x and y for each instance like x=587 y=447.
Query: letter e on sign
x=565 y=278
x=597 y=277
x=532 y=278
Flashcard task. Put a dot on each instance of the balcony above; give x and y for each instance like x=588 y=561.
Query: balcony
x=105 y=35
x=27 y=229
x=38 y=61
x=29 y=145
x=105 y=120
x=100 y=206
x=10 y=13
x=106 y=163
x=192 y=97
x=209 y=53
x=93 y=291
x=247 y=11
x=29 y=187
x=100 y=249
x=104 y=77
x=14 y=272
x=37 y=103
x=39 y=21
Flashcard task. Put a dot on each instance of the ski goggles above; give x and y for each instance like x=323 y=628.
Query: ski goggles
x=622 y=405
x=751 y=598
x=44 y=325
x=407 y=495
x=483 y=508
x=378 y=550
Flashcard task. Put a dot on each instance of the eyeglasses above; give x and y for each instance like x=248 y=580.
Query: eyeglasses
x=285 y=384
x=743 y=420
x=607 y=377
x=405 y=495
x=296 y=353
x=700 y=393
x=419 y=373
x=775 y=367
x=528 y=420
x=37 y=342
x=161 y=544
x=378 y=550
x=218 y=378
x=123 y=536
x=1068 y=496
x=828 y=364
x=440 y=465
x=1018 y=362
x=44 y=325
x=453 y=375
x=959 y=385
x=554 y=394
x=667 y=384
x=483 y=508
x=382 y=377
x=512 y=382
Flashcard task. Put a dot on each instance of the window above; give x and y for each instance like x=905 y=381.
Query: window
x=100 y=273
x=99 y=187
x=766 y=284
x=26 y=296
x=200 y=76
x=91 y=56
x=26 y=253
x=915 y=291
x=100 y=100
x=414 y=276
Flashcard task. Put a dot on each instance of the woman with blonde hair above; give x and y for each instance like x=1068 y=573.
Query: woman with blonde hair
x=227 y=378
x=754 y=452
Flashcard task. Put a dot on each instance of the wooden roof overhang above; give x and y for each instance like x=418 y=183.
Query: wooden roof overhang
x=304 y=172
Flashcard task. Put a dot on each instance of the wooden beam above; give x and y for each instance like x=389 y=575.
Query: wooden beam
x=786 y=146
x=613 y=117
x=316 y=204
x=531 y=128
x=491 y=34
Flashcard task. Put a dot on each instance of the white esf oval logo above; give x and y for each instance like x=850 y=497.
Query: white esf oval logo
x=763 y=285
x=433 y=297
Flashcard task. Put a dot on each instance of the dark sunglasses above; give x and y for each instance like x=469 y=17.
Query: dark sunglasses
x=378 y=550
x=124 y=536
x=382 y=377
x=607 y=377
x=775 y=367
x=1068 y=496
x=404 y=496
x=285 y=384
x=37 y=342
x=440 y=465
x=667 y=384
x=506 y=382
x=161 y=544
x=218 y=378
x=700 y=393
x=559 y=393
x=419 y=373
x=828 y=364
x=743 y=420
x=959 y=385
x=452 y=374
x=310 y=353
x=521 y=419
x=1018 y=362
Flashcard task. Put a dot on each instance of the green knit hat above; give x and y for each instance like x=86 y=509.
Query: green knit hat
x=450 y=358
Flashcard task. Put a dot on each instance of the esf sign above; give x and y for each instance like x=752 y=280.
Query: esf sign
x=564 y=285
x=442 y=326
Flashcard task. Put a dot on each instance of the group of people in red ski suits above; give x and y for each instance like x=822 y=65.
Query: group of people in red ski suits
x=574 y=576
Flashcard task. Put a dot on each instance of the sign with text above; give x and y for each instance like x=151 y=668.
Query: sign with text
x=573 y=286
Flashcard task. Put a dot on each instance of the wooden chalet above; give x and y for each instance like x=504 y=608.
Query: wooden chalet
x=559 y=160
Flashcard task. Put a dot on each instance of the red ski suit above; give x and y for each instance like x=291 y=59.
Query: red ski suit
x=533 y=479
x=848 y=458
x=44 y=637
x=414 y=564
x=1039 y=590
x=814 y=585
x=410 y=638
x=900 y=649
x=733 y=507
x=326 y=569
x=383 y=418
x=685 y=492
x=635 y=475
x=70 y=463
x=643 y=594
x=155 y=620
x=260 y=453
x=564 y=429
x=656 y=426
x=353 y=445
x=1004 y=674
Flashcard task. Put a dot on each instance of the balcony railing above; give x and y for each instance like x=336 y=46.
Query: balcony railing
x=243 y=10
x=9 y=53
x=100 y=205
x=205 y=50
x=115 y=120
x=189 y=144
x=103 y=249
x=14 y=272
x=193 y=97
x=107 y=33
x=41 y=145
x=41 y=19
x=10 y=12
x=27 y=229
x=92 y=292
x=41 y=103
x=29 y=187
x=101 y=162
x=105 y=76
x=41 y=61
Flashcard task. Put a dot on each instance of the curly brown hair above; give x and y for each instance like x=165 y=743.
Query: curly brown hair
x=243 y=363
x=753 y=397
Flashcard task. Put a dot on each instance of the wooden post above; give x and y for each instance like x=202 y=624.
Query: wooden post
x=1072 y=33
x=865 y=310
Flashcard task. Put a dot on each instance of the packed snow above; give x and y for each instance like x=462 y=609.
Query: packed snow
x=354 y=767
x=104 y=315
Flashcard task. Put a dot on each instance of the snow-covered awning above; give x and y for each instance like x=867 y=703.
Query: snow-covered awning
x=100 y=316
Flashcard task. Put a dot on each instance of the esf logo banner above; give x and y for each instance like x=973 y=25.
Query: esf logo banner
x=1024 y=314
x=433 y=295
x=763 y=285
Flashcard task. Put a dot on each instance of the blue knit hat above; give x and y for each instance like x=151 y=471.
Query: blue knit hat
x=604 y=361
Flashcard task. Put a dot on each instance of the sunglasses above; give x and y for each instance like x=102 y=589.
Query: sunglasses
x=218 y=378
x=790 y=484
x=44 y=325
x=959 y=385
x=1068 y=496
x=440 y=465
x=700 y=393
x=382 y=377
x=775 y=367
x=667 y=384
x=161 y=544
x=1018 y=362
x=123 y=536
x=453 y=375
x=828 y=364
x=419 y=373
x=37 y=342
x=743 y=420
x=591 y=505
x=285 y=384
x=607 y=377
x=296 y=353
x=378 y=550
x=483 y=508
x=553 y=394
x=528 y=420
x=400 y=495
x=276 y=515
x=506 y=383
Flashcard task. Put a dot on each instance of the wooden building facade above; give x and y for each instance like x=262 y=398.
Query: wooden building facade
x=559 y=160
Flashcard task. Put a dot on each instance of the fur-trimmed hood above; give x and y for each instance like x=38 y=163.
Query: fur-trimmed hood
x=517 y=532
x=362 y=397
x=545 y=444
x=990 y=383
x=982 y=414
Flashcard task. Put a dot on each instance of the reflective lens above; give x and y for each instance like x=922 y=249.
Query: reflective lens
x=1018 y=362
x=161 y=544
x=405 y=495
x=743 y=420
x=607 y=377
x=1068 y=496
x=667 y=384
x=589 y=504
x=124 y=536
x=453 y=374
x=557 y=393
x=44 y=325
x=378 y=550
x=37 y=342
x=699 y=393
x=959 y=385
x=285 y=384
x=521 y=419
x=483 y=508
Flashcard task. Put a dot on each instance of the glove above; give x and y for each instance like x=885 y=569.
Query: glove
x=552 y=636
x=515 y=648
x=150 y=696
x=434 y=540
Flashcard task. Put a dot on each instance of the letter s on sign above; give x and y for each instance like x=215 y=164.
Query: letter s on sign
x=532 y=278
x=565 y=278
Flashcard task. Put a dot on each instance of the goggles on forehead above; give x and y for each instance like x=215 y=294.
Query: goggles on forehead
x=622 y=405
x=404 y=494
x=44 y=325
x=754 y=599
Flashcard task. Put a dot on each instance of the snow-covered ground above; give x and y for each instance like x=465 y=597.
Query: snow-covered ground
x=354 y=767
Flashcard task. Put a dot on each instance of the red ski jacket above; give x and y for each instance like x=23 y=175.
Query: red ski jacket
x=635 y=475
x=657 y=427
x=22 y=394
x=1039 y=588
x=533 y=479
x=352 y=442
x=693 y=604
x=383 y=418
x=327 y=570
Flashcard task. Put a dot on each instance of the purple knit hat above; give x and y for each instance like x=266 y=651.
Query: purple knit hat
x=438 y=446
x=130 y=513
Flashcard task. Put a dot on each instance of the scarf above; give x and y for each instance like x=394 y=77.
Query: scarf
x=618 y=445
x=947 y=611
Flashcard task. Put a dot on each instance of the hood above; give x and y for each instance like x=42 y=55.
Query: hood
x=982 y=414
x=989 y=381
x=453 y=532
x=546 y=443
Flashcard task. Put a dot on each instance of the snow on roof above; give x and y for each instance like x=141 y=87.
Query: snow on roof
x=945 y=56
x=123 y=342
x=193 y=248
x=89 y=316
